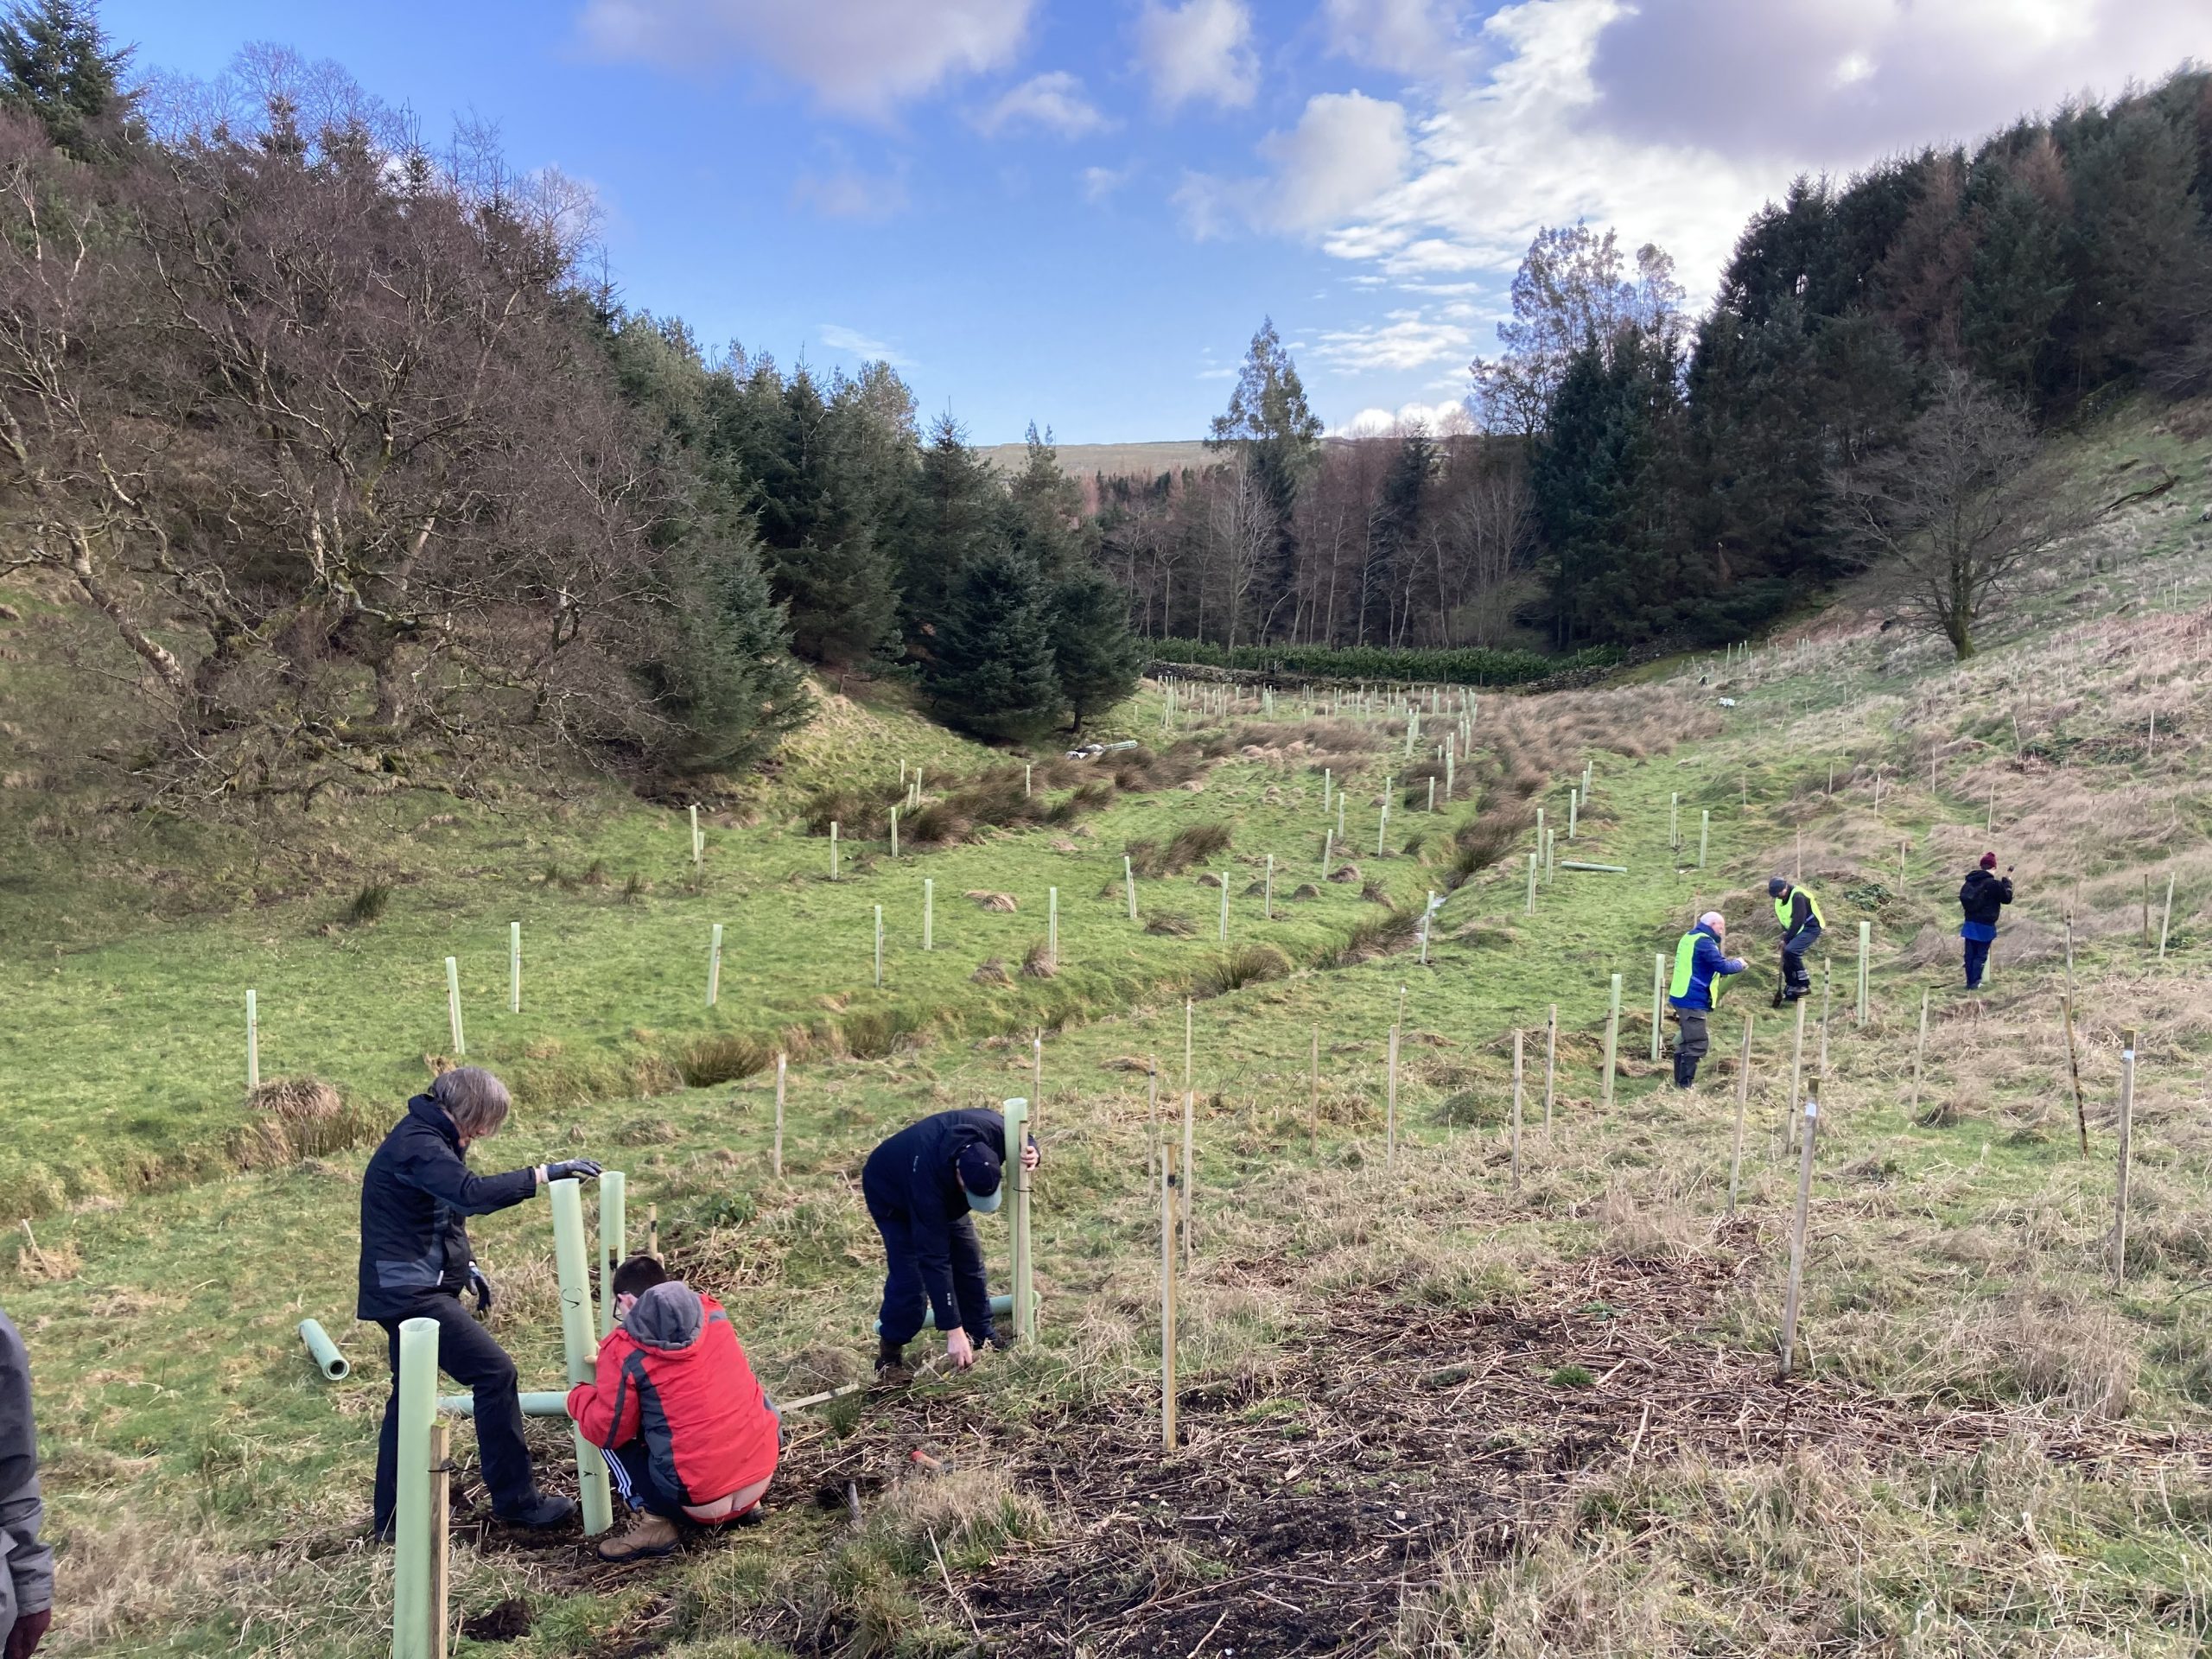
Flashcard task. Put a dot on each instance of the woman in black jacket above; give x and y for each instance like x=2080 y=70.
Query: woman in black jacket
x=1986 y=893
x=415 y=1260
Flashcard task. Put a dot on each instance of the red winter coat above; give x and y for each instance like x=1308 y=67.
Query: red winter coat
x=673 y=1373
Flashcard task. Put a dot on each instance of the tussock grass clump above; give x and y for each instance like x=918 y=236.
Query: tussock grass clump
x=369 y=905
x=1376 y=937
x=991 y=973
x=1481 y=843
x=986 y=899
x=1251 y=964
x=298 y=1117
x=878 y=1034
x=1169 y=925
x=859 y=810
x=723 y=1059
x=1041 y=962
x=1194 y=843
x=1376 y=893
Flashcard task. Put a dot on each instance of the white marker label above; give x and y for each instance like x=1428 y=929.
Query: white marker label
x=2127 y=1054
x=1812 y=1108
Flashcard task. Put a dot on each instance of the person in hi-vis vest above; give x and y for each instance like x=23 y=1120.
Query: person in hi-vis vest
x=1797 y=913
x=1700 y=966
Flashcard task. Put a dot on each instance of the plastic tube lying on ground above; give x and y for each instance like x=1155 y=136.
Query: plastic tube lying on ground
x=328 y=1359
x=999 y=1304
x=552 y=1402
x=1607 y=869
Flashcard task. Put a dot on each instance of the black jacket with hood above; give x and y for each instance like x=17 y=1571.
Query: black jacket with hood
x=415 y=1197
x=1986 y=893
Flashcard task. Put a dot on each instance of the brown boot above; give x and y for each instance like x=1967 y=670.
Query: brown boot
x=890 y=1370
x=647 y=1535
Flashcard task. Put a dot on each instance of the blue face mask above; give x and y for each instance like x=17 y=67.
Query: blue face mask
x=983 y=1204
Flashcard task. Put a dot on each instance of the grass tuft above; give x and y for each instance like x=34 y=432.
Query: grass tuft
x=369 y=904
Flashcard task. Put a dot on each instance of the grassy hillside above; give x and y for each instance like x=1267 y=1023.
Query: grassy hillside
x=1425 y=1409
x=1145 y=460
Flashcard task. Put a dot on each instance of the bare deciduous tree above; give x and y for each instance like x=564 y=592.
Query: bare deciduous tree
x=1958 y=509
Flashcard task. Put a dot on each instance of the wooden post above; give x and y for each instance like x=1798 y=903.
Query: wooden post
x=2166 y=922
x=1704 y=830
x=253 y=1040
x=2127 y=1138
x=928 y=914
x=453 y=1005
x=1516 y=1109
x=1919 y=1053
x=1827 y=1006
x=1612 y=1039
x=514 y=967
x=440 y=1523
x=1790 y=1303
x=1658 y=999
x=1130 y=885
x=1167 y=1307
x=1313 y=1097
x=652 y=1231
x=715 y=966
x=1390 y=1104
x=1742 y=1106
x=776 y=1150
x=1530 y=906
x=1190 y=1139
x=1796 y=1077
x=879 y=947
x=2073 y=1069
x=1865 y=938
x=1551 y=1064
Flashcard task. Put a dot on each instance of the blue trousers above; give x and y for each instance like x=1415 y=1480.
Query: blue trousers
x=1977 y=959
x=467 y=1354
x=905 y=1299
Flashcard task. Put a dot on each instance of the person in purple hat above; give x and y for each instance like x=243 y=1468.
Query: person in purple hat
x=1985 y=894
x=922 y=1186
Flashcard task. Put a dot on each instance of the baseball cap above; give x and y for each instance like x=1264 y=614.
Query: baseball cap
x=979 y=1177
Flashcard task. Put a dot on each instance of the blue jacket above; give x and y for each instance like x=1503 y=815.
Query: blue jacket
x=914 y=1178
x=1707 y=960
x=415 y=1195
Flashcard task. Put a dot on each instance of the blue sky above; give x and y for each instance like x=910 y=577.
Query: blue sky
x=1076 y=213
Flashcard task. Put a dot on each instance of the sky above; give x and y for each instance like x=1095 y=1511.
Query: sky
x=1076 y=212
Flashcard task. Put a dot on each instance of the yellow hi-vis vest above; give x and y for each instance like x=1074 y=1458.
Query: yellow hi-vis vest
x=1788 y=902
x=1685 y=963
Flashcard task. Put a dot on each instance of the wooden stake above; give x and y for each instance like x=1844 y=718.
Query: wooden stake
x=1797 y=1233
x=1036 y=1081
x=1313 y=1097
x=441 y=1519
x=2073 y=1071
x=1612 y=1039
x=1919 y=1055
x=1551 y=1065
x=1190 y=1139
x=1827 y=1006
x=1796 y=1076
x=1743 y=1105
x=652 y=1231
x=1167 y=1307
x=776 y=1151
x=1152 y=1162
x=2166 y=922
x=1390 y=1104
x=2127 y=1138
x=1516 y=1109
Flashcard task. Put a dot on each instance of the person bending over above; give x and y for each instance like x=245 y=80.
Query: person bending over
x=415 y=1260
x=689 y=1437
x=921 y=1186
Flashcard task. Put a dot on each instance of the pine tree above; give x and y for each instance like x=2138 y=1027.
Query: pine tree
x=1096 y=657
x=1045 y=505
x=956 y=516
x=730 y=679
x=991 y=669
x=1279 y=436
x=56 y=64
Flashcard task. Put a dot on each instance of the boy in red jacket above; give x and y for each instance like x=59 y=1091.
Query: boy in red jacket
x=688 y=1435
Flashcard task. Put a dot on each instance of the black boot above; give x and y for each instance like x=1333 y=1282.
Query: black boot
x=891 y=1364
x=1685 y=1070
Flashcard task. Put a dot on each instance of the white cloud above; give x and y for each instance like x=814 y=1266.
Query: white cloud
x=1412 y=38
x=1201 y=49
x=853 y=343
x=1837 y=83
x=1346 y=149
x=1055 y=102
x=1445 y=419
x=847 y=192
x=1101 y=182
x=1403 y=341
x=860 y=57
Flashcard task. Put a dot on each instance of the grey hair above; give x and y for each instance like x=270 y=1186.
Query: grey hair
x=1712 y=919
x=476 y=1101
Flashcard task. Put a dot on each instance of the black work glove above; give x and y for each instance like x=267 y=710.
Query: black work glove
x=575 y=1169
x=480 y=1286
